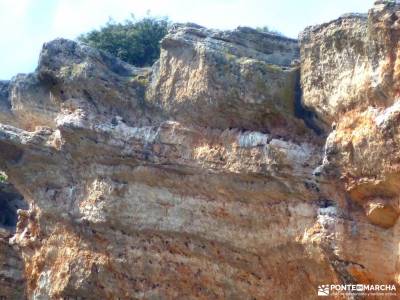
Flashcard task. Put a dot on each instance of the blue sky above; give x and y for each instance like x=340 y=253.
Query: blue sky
x=26 y=24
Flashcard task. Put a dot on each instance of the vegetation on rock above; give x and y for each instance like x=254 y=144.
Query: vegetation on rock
x=3 y=177
x=134 y=41
x=266 y=29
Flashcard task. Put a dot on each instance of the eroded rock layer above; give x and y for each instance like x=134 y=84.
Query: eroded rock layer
x=215 y=174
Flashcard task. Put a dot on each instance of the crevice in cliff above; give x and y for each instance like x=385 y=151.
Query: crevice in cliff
x=308 y=116
x=10 y=201
x=12 y=278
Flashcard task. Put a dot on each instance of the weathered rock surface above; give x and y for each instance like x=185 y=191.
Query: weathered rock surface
x=352 y=62
x=349 y=71
x=360 y=94
x=204 y=177
x=235 y=79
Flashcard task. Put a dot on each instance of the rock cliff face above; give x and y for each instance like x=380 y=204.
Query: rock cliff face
x=242 y=165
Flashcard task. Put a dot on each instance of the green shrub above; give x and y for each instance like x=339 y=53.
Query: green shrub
x=134 y=41
x=3 y=177
x=268 y=30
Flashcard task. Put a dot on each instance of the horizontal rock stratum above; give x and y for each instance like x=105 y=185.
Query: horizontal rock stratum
x=241 y=165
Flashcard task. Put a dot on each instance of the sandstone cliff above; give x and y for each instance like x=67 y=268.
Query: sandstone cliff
x=242 y=165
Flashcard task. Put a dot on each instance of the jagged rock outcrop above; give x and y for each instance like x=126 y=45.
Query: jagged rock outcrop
x=349 y=73
x=360 y=95
x=240 y=79
x=204 y=177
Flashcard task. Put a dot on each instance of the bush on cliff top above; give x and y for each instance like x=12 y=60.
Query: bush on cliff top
x=134 y=41
x=268 y=30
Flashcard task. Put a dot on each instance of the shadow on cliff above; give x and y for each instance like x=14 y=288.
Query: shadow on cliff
x=308 y=116
x=10 y=202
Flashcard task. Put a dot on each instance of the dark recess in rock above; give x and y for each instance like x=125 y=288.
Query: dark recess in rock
x=309 y=117
x=10 y=202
